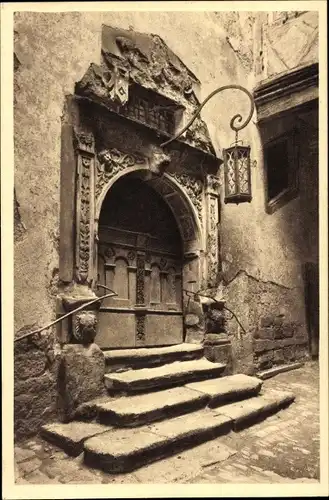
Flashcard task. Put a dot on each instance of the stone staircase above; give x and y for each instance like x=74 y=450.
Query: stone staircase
x=161 y=401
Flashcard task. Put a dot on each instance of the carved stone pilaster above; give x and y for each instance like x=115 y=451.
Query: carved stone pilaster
x=85 y=151
x=212 y=194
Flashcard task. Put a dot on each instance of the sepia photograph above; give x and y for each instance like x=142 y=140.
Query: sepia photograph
x=166 y=223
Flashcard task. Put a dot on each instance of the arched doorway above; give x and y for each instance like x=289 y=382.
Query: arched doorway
x=140 y=256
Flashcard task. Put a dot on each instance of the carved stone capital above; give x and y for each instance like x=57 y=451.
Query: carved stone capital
x=84 y=141
x=212 y=185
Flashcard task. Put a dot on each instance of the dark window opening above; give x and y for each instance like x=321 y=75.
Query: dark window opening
x=277 y=169
x=281 y=171
x=151 y=113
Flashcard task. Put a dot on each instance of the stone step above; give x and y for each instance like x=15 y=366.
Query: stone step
x=123 y=450
x=137 y=410
x=176 y=373
x=124 y=359
x=271 y=372
x=244 y=413
x=142 y=409
x=71 y=436
x=230 y=388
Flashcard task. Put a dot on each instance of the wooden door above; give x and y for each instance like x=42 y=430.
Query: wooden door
x=139 y=257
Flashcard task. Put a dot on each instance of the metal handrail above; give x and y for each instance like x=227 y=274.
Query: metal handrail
x=190 y=294
x=80 y=308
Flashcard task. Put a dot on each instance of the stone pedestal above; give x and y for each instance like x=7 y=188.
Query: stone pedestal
x=80 y=377
x=218 y=349
x=217 y=346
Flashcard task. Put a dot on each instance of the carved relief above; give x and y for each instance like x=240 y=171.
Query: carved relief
x=85 y=324
x=109 y=253
x=112 y=161
x=140 y=328
x=84 y=141
x=140 y=279
x=84 y=144
x=212 y=240
x=116 y=80
x=193 y=187
x=213 y=184
x=131 y=256
x=84 y=227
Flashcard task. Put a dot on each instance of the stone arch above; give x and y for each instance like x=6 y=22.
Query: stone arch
x=186 y=213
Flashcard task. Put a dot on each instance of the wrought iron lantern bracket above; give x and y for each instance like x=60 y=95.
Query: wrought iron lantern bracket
x=237 y=170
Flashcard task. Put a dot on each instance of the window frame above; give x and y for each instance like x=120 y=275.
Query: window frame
x=287 y=194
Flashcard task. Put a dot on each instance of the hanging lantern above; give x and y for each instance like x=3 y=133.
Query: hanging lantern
x=237 y=174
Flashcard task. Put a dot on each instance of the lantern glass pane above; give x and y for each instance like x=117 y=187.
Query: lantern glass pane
x=243 y=170
x=231 y=178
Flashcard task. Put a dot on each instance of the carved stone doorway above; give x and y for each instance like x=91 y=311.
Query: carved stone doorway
x=139 y=256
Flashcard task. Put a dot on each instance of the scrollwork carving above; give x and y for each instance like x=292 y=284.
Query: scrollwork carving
x=193 y=187
x=140 y=328
x=112 y=161
x=140 y=279
x=84 y=222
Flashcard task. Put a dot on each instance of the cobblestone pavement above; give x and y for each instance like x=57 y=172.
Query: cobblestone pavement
x=282 y=449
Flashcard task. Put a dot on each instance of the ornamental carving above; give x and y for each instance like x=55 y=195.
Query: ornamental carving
x=84 y=330
x=109 y=253
x=84 y=221
x=193 y=187
x=140 y=279
x=213 y=184
x=140 y=328
x=212 y=260
x=84 y=141
x=112 y=161
x=212 y=242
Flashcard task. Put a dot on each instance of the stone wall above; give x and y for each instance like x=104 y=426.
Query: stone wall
x=35 y=382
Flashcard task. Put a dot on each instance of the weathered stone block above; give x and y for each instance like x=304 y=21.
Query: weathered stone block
x=267 y=321
x=263 y=345
x=266 y=360
x=278 y=332
x=278 y=356
x=301 y=351
x=29 y=364
x=289 y=353
x=287 y=330
x=264 y=333
x=220 y=354
x=34 y=404
x=278 y=320
x=80 y=378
